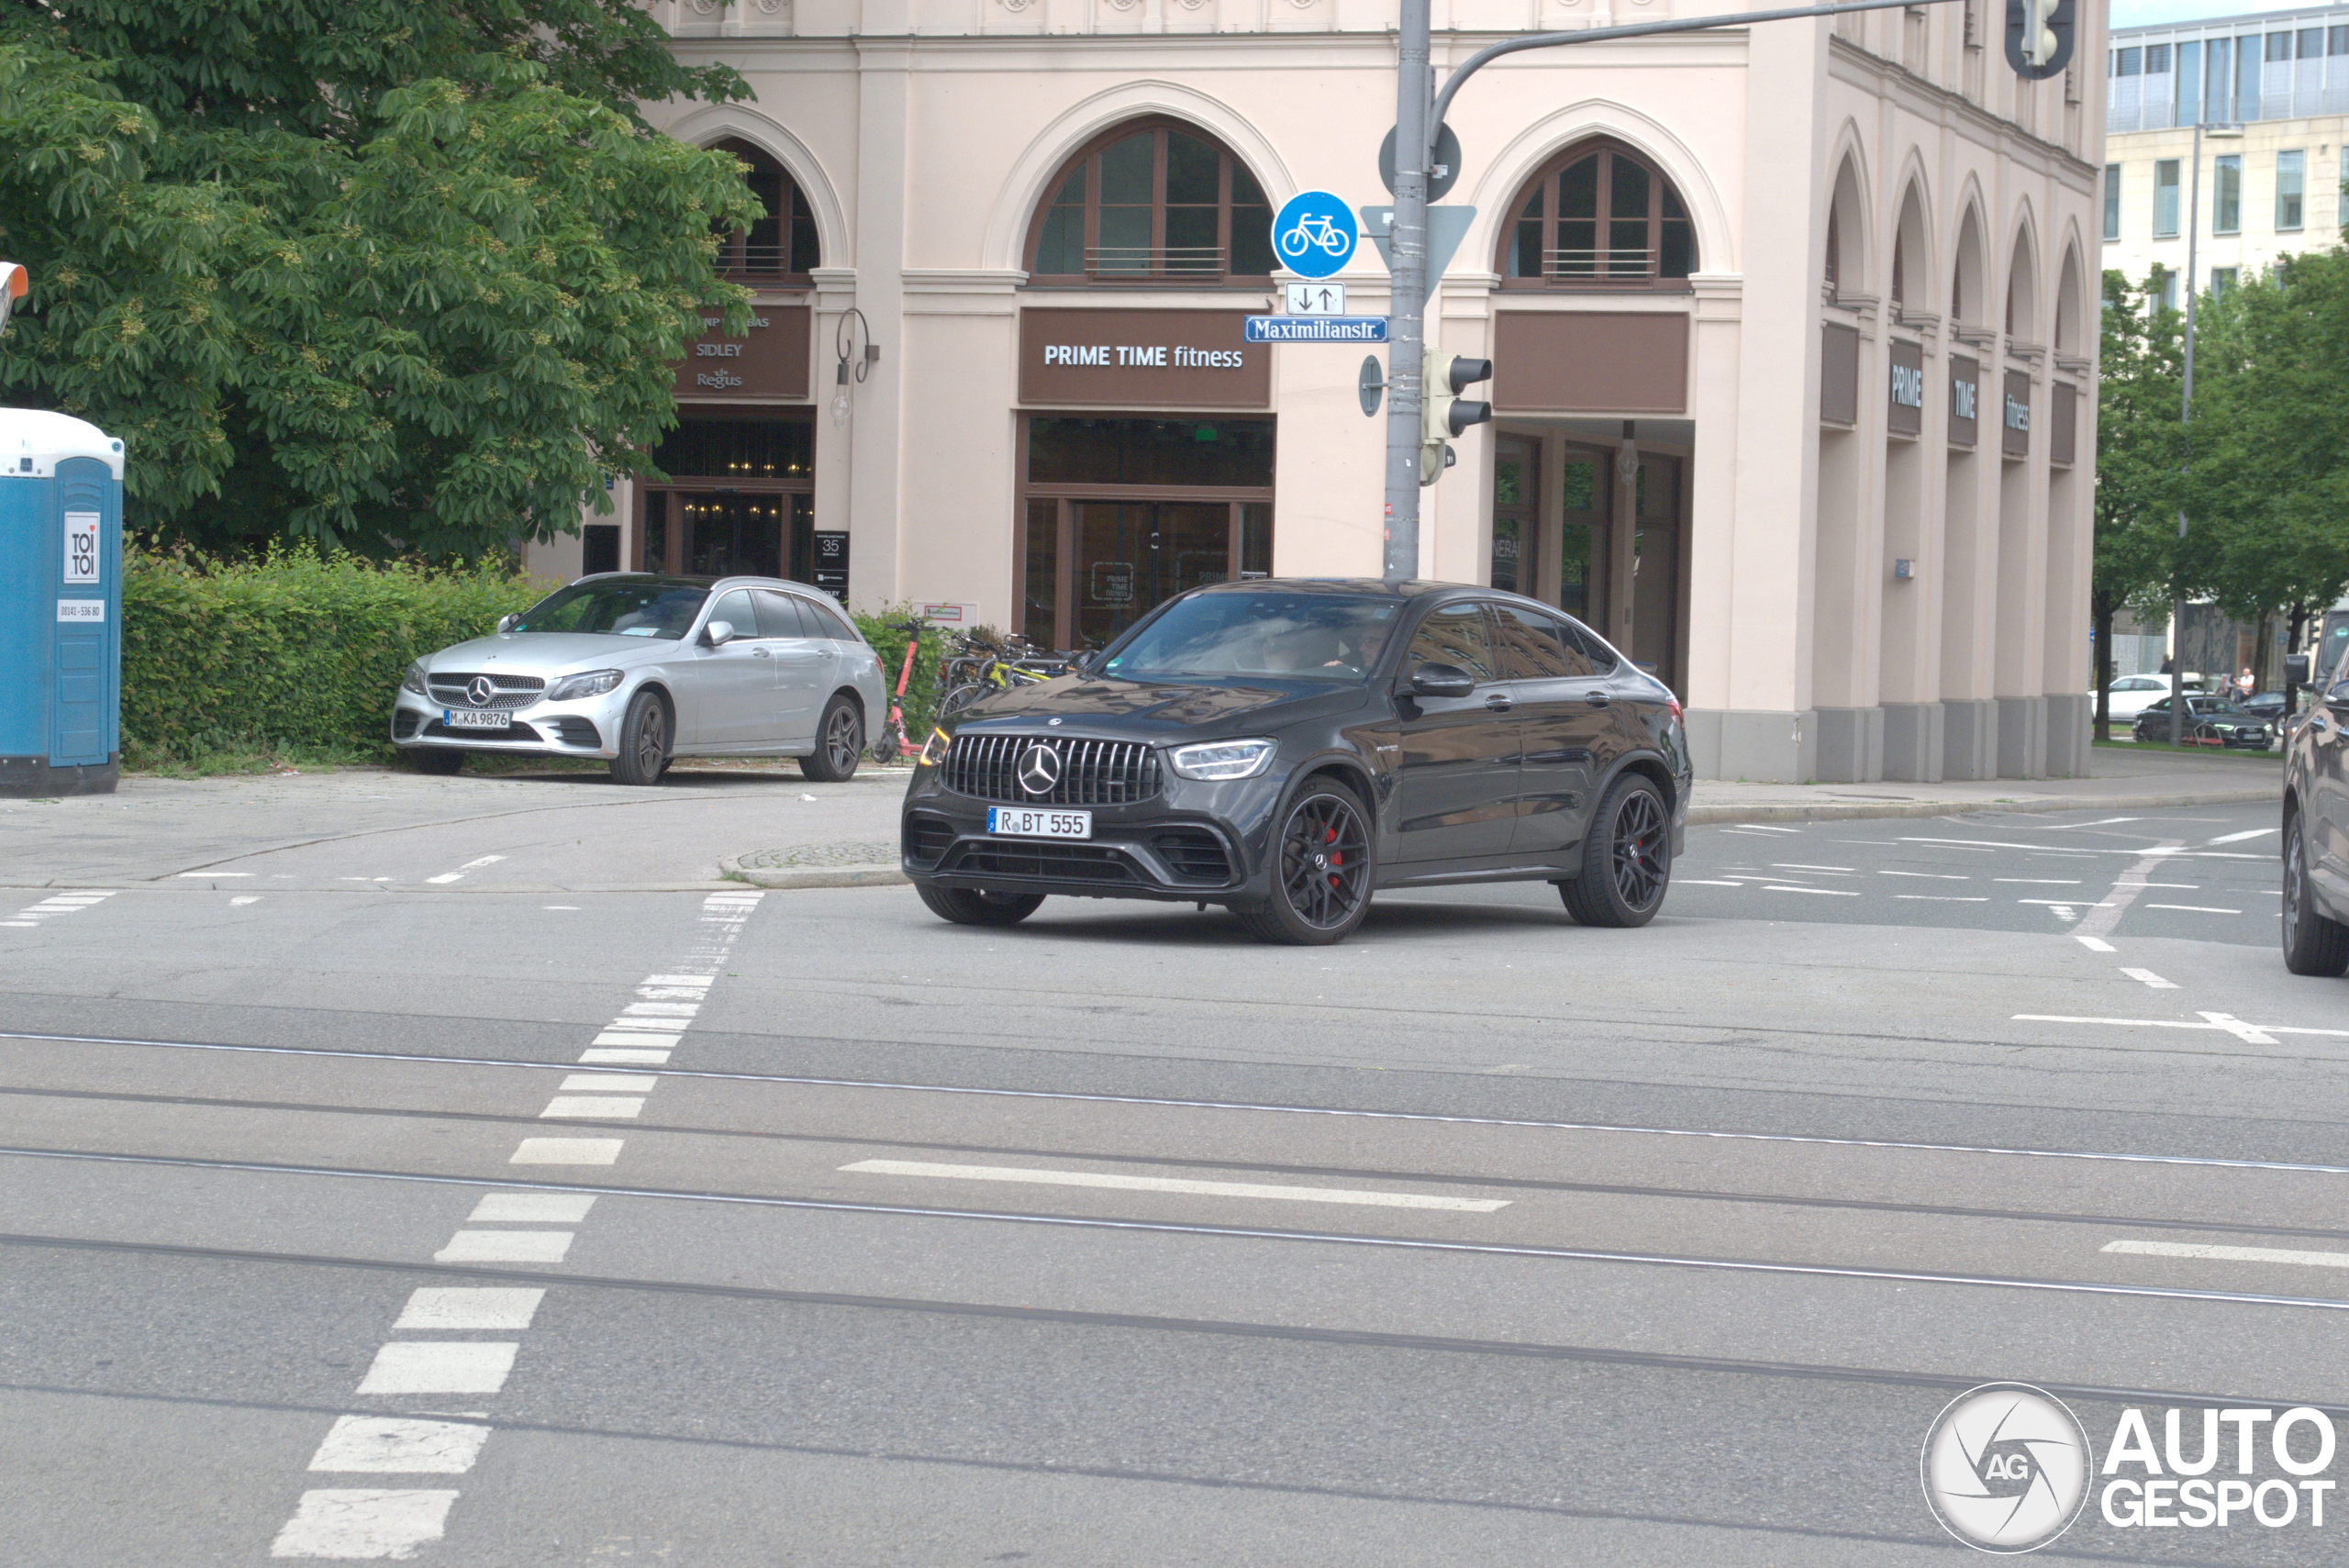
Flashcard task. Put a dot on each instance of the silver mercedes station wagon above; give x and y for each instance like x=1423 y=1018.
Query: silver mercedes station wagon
x=639 y=669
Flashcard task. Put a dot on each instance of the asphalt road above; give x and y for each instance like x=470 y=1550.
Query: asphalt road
x=483 y=1226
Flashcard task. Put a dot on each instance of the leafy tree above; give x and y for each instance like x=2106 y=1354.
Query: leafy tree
x=2270 y=488
x=2139 y=451
x=380 y=274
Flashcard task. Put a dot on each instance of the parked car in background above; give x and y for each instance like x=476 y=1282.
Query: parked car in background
x=639 y=669
x=2130 y=694
x=2208 y=721
x=2268 y=705
x=1286 y=747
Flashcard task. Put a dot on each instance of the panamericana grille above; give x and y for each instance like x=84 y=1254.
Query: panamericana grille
x=512 y=691
x=1092 y=773
x=1043 y=859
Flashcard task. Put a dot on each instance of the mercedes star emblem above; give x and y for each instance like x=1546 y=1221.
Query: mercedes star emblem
x=482 y=689
x=1040 y=768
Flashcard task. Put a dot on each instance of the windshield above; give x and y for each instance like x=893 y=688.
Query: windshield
x=1295 y=636
x=640 y=607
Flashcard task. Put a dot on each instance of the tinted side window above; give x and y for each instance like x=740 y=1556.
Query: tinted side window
x=1593 y=646
x=735 y=608
x=1530 y=647
x=779 y=617
x=1453 y=635
x=826 y=620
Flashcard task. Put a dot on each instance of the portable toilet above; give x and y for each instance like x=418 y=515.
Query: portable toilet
x=61 y=605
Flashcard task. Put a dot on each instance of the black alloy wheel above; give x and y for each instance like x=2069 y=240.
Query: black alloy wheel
x=436 y=760
x=1626 y=857
x=2313 y=944
x=1321 y=878
x=968 y=906
x=840 y=742
x=644 y=742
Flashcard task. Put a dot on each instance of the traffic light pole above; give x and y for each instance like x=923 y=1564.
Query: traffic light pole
x=1417 y=122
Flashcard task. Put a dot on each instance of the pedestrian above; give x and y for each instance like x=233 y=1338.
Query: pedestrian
x=2243 y=683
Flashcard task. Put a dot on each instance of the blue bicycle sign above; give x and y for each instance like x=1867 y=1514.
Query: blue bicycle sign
x=1314 y=234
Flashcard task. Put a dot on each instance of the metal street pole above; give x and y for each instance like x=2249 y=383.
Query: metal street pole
x=2185 y=416
x=1408 y=252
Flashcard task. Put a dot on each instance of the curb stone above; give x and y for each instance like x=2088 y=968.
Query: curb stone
x=773 y=872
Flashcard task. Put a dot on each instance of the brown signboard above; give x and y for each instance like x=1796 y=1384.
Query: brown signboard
x=770 y=360
x=1904 y=409
x=1141 y=358
x=1839 y=373
x=2063 y=422
x=2014 y=414
x=1590 y=361
x=1964 y=399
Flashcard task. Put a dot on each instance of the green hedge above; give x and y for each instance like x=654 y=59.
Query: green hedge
x=297 y=651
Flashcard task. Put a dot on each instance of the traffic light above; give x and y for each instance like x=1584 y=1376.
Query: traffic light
x=1443 y=415
x=2039 y=37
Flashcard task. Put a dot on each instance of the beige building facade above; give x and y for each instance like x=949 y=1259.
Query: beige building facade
x=1793 y=331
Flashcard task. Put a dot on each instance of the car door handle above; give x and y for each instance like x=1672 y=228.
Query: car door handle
x=758 y=653
x=1496 y=703
x=1596 y=699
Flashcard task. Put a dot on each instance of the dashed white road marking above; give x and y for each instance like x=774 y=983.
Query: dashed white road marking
x=503 y=1247
x=2249 y=1034
x=2040 y=880
x=1928 y=875
x=2232 y=1025
x=567 y=1152
x=458 y=874
x=1762 y=828
x=385 y=1444
x=1937 y=898
x=223 y=874
x=591 y=1106
x=2126 y=887
x=609 y=1083
x=2239 y=837
x=2231 y=1254
x=247 y=898
x=2147 y=977
x=624 y=1056
x=1790 y=866
x=2094 y=944
x=445 y=1307
x=360 y=1524
x=2066 y=903
x=443 y=1367
x=2194 y=908
x=1171 y=1184
x=1830 y=892
x=1700 y=881
x=531 y=1209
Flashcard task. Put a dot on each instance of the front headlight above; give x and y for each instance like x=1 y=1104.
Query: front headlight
x=594 y=683
x=1222 y=758
x=933 y=750
x=414 y=680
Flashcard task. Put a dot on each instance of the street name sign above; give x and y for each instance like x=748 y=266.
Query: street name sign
x=1314 y=330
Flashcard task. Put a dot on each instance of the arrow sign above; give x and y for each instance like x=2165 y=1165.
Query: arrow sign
x=1447 y=226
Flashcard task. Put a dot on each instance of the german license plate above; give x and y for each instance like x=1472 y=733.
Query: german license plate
x=1027 y=822
x=470 y=718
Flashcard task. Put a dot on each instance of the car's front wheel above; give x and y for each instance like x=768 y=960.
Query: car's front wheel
x=840 y=742
x=644 y=742
x=2312 y=943
x=1322 y=870
x=968 y=907
x=1626 y=857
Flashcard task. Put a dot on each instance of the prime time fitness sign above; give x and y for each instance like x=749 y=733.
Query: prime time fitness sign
x=1140 y=359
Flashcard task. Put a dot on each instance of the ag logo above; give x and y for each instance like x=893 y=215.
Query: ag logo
x=2006 y=1467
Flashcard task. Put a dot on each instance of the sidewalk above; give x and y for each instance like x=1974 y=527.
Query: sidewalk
x=2119 y=781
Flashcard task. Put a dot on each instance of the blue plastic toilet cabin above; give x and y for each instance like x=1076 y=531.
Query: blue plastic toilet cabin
x=61 y=605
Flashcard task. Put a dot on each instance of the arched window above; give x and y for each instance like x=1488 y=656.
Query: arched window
x=782 y=245
x=1153 y=202
x=1599 y=217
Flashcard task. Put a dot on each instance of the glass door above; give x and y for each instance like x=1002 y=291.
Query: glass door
x=1656 y=567
x=1586 y=482
x=1133 y=556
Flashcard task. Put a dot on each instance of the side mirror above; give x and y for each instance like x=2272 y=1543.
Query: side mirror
x=1442 y=681
x=506 y=623
x=718 y=633
x=2295 y=669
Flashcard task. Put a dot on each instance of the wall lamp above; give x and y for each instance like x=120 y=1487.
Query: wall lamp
x=851 y=330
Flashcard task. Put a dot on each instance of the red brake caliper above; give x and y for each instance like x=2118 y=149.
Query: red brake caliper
x=1337 y=858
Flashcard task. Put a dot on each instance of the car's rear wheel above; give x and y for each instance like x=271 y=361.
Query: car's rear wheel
x=435 y=760
x=840 y=742
x=2312 y=943
x=968 y=907
x=1626 y=857
x=644 y=742
x=1322 y=870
